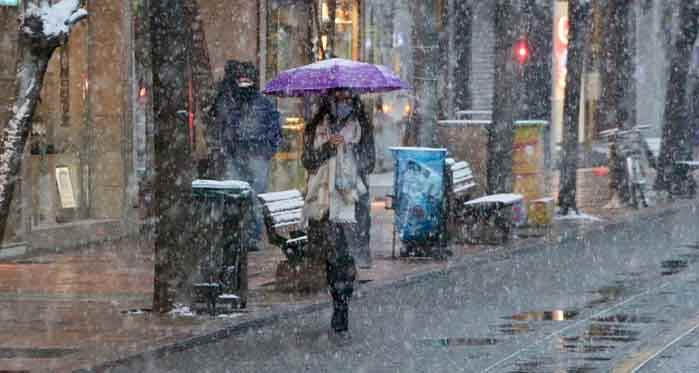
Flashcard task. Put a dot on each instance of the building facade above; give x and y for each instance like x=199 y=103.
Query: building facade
x=89 y=156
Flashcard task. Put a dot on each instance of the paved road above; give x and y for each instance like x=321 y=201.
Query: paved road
x=681 y=355
x=603 y=304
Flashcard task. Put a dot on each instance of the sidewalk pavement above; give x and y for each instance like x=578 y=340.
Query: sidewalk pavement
x=70 y=310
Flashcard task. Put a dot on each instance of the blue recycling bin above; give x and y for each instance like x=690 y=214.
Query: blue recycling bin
x=419 y=194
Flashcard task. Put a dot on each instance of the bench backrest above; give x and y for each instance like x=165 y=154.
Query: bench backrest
x=460 y=179
x=282 y=211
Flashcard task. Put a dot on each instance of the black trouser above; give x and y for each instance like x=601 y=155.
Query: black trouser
x=332 y=242
x=361 y=248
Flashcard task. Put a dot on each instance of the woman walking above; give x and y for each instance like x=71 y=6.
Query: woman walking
x=338 y=154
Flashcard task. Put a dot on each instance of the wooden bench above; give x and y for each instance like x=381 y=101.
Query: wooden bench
x=490 y=210
x=283 y=214
x=460 y=184
x=495 y=210
x=283 y=219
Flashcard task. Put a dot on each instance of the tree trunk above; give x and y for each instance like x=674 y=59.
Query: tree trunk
x=425 y=51
x=612 y=113
x=446 y=59
x=535 y=83
x=37 y=42
x=501 y=132
x=616 y=108
x=463 y=20
x=676 y=137
x=172 y=161
x=571 y=109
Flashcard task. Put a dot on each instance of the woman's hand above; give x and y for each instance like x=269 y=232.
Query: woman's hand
x=336 y=139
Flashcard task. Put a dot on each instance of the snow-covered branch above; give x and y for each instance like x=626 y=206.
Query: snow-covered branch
x=51 y=24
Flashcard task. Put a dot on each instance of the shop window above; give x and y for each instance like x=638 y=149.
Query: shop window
x=76 y=165
x=289 y=45
x=386 y=41
x=341 y=32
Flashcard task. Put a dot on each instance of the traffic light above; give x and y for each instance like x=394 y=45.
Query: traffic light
x=522 y=51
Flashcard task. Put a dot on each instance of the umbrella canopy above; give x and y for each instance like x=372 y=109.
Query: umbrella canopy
x=336 y=73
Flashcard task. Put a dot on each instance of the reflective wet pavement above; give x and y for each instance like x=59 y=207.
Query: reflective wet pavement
x=682 y=355
x=76 y=309
x=580 y=306
x=92 y=304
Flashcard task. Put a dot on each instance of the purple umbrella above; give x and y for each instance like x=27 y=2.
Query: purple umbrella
x=319 y=77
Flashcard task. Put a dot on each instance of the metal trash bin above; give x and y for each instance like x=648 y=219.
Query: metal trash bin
x=419 y=198
x=218 y=208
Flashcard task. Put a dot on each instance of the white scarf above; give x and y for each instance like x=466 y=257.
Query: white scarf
x=336 y=185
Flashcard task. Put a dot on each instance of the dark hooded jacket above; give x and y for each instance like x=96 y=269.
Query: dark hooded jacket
x=249 y=122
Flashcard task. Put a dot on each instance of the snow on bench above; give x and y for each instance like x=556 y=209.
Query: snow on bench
x=460 y=178
x=280 y=196
x=283 y=212
x=691 y=164
x=220 y=184
x=505 y=199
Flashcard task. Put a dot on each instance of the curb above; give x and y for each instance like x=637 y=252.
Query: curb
x=367 y=290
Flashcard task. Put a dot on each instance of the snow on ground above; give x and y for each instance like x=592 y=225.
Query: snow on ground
x=181 y=310
x=229 y=315
x=577 y=216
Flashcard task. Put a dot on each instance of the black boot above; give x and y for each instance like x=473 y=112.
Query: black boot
x=341 y=275
x=340 y=320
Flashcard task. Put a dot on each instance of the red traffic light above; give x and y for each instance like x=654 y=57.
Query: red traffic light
x=522 y=51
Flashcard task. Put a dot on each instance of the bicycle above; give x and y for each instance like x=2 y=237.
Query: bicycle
x=631 y=147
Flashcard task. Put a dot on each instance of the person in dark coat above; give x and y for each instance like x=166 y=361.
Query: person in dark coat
x=338 y=154
x=250 y=134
